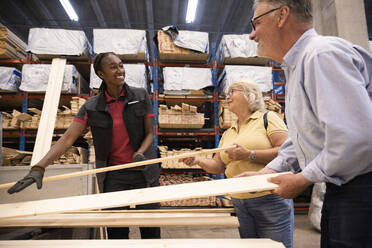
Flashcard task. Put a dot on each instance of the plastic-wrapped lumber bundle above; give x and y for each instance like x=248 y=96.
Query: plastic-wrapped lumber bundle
x=135 y=76
x=35 y=78
x=128 y=44
x=10 y=78
x=180 y=80
x=182 y=45
x=239 y=49
x=260 y=75
x=47 y=43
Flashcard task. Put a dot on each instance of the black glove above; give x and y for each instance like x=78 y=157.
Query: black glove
x=36 y=174
x=138 y=157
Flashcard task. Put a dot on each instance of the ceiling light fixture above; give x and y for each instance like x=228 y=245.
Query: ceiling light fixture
x=191 y=10
x=69 y=10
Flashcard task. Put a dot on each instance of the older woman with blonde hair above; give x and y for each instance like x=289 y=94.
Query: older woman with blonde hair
x=261 y=215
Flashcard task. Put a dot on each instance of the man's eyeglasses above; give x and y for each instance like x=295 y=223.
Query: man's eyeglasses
x=254 y=19
x=231 y=92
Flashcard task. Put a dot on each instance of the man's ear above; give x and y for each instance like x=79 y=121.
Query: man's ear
x=283 y=15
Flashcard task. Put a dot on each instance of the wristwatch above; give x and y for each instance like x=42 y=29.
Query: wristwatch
x=252 y=155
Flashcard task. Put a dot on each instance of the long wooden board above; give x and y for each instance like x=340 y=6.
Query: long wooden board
x=49 y=112
x=123 y=219
x=139 y=196
x=162 y=210
x=125 y=166
x=145 y=243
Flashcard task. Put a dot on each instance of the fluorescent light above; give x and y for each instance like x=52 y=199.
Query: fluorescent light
x=69 y=10
x=191 y=10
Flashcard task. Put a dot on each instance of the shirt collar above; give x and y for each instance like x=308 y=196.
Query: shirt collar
x=290 y=59
x=110 y=99
x=253 y=116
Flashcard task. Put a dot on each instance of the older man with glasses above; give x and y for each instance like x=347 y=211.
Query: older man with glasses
x=329 y=115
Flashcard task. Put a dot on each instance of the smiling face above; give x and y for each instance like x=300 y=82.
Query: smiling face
x=235 y=99
x=112 y=70
x=266 y=32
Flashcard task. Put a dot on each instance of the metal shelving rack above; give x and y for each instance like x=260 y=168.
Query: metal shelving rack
x=25 y=96
x=209 y=132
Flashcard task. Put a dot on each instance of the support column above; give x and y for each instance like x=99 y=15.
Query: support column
x=342 y=18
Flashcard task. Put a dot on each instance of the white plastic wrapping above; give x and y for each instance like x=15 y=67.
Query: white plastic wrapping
x=316 y=204
x=35 y=78
x=184 y=78
x=119 y=41
x=135 y=76
x=10 y=78
x=58 y=41
x=193 y=40
x=236 y=46
x=260 y=75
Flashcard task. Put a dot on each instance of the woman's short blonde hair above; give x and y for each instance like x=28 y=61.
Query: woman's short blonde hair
x=252 y=94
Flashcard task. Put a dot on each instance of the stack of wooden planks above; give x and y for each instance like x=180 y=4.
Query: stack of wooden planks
x=74 y=155
x=173 y=179
x=180 y=117
x=11 y=47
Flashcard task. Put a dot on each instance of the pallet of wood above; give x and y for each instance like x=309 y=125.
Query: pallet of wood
x=180 y=117
x=169 y=52
x=64 y=117
x=11 y=47
x=172 y=179
x=227 y=118
x=74 y=155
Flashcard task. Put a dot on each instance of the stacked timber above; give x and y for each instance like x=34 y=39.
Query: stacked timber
x=227 y=118
x=11 y=47
x=171 y=179
x=271 y=105
x=183 y=48
x=76 y=104
x=180 y=117
x=64 y=117
x=174 y=164
x=13 y=157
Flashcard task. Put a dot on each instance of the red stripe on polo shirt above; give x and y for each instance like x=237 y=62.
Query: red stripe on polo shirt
x=121 y=151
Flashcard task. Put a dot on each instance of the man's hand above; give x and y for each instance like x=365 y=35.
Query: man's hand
x=264 y=170
x=238 y=153
x=36 y=174
x=290 y=185
x=137 y=157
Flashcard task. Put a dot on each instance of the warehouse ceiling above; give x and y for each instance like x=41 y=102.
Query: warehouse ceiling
x=217 y=17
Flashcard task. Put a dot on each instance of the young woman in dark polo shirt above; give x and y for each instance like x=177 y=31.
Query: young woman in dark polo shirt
x=121 y=120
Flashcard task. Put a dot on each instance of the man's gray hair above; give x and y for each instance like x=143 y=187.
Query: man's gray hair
x=302 y=9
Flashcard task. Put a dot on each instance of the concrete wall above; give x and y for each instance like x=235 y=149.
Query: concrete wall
x=342 y=18
x=56 y=189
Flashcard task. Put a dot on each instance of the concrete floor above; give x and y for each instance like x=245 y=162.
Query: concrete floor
x=305 y=235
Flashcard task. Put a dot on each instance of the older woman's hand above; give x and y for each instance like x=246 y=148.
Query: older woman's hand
x=189 y=161
x=238 y=153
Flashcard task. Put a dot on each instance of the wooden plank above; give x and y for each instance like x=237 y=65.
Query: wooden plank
x=123 y=166
x=165 y=210
x=145 y=243
x=123 y=219
x=49 y=112
x=139 y=196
